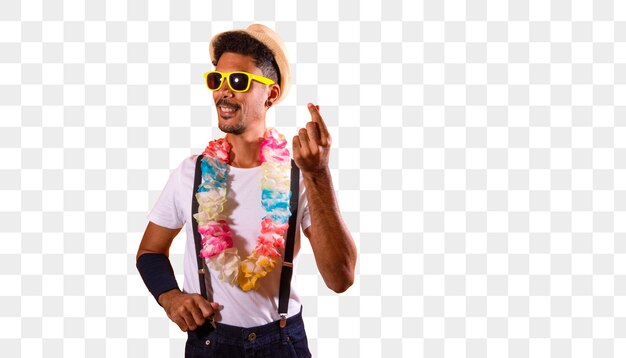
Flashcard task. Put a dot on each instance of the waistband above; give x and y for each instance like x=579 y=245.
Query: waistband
x=259 y=335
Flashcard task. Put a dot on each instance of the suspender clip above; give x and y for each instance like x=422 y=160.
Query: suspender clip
x=283 y=320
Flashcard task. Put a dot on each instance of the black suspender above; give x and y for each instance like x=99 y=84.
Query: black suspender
x=196 y=235
x=287 y=269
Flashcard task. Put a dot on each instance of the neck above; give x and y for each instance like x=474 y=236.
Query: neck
x=245 y=147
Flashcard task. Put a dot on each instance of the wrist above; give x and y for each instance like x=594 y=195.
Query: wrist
x=316 y=175
x=166 y=297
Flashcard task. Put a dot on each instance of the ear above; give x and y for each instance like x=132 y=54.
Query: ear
x=274 y=93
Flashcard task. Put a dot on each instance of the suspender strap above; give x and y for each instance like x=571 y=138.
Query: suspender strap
x=196 y=235
x=287 y=270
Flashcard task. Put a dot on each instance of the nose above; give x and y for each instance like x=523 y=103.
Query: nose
x=225 y=90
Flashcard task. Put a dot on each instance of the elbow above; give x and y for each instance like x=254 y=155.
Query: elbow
x=343 y=283
x=341 y=288
x=139 y=253
x=342 y=277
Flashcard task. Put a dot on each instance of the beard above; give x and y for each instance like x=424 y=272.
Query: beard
x=234 y=128
x=231 y=125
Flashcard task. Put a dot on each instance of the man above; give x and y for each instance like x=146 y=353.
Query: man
x=242 y=213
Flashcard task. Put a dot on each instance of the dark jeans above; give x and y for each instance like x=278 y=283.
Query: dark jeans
x=262 y=341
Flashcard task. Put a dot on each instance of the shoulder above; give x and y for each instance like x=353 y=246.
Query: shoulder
x=184 y=171
x=187 y=164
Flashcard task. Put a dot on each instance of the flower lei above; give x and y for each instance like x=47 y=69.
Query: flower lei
x=217 y=241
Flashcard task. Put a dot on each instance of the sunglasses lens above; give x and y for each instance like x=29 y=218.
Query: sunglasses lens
x=238 y=81
x=214 y=80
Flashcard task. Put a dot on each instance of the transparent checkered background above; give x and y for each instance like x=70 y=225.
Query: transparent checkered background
x=478 y=153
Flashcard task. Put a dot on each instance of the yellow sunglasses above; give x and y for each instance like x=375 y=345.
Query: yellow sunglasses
x=238 y=81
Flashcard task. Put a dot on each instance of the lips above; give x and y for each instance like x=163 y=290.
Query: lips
x=226 y=109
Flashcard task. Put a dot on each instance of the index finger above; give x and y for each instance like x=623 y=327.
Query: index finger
x=317 y=118
x=205 y=307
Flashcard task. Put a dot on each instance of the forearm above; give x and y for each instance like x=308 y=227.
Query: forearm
x=332 y=243
x=157 y=273
x=152 y=259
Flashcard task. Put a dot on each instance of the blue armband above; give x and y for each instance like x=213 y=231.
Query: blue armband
x=157 y=273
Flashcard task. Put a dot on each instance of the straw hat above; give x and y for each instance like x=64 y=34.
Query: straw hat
x=269 y=38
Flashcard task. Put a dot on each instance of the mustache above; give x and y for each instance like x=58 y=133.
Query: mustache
x=227 y=103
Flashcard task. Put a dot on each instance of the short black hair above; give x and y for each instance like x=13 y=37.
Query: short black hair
x=244 y=44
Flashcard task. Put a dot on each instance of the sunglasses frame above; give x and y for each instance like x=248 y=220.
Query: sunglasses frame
x=226 y=75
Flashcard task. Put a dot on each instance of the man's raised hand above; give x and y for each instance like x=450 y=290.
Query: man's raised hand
x=311 y=147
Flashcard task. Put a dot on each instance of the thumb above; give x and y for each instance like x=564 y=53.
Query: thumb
x=216 y=306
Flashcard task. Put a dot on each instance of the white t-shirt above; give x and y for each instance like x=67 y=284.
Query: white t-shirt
x=245 y=212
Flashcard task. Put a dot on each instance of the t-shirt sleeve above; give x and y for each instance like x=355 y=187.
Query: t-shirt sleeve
x=166 y=211
x=303 y=206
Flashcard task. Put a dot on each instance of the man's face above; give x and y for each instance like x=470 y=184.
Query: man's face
x=237 y=111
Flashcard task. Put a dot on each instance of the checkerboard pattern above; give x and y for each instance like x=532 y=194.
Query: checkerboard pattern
x=477 y=158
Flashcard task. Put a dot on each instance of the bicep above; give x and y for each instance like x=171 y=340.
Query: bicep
x=156 y=239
